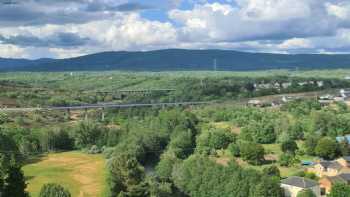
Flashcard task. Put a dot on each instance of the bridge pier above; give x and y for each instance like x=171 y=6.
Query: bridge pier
x=68 y=114
x=86 y=114
x=103 y=114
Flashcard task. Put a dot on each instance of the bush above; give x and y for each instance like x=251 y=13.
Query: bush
x=306 y=193
x=54 y=190
x=3 y=118
x=327 y=148
x=234 y=149
x=287 y=160
x=272 y=171
x=252 y=153
x=209 y=142
x=289 y=146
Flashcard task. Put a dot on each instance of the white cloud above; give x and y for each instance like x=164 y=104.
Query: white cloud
x=296 y=43
x=251 y=25
x=12 y=51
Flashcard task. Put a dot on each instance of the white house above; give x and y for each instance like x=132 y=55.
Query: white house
x=293 y=185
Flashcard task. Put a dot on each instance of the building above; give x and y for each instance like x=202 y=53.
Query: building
x=345 y=93
x=326 y=168
x=344 y=161
x=343 y=138
x=331 y=168
x=327 y=182
x=293 y=185
x=256 y=103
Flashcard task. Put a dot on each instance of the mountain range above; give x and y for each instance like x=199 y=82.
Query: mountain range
x=179 y=59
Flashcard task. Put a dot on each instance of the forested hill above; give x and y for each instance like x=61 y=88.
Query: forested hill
x=179 y=59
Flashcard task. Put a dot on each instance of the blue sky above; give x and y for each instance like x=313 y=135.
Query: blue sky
x=67 y=28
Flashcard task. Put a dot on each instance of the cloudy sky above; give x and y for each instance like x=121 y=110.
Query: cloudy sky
x=67 y=28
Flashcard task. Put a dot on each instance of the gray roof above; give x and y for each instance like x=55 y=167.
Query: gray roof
x=299 y=182
x=347 y=158
x=335 y=165
x=325 y=164
x=345 y=176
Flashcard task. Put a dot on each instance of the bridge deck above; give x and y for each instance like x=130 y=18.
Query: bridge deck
x=97 y=106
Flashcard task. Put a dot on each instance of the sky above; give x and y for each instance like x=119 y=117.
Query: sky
x=67 y=28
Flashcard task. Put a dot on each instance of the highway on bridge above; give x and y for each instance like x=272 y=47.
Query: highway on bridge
x=103 y=106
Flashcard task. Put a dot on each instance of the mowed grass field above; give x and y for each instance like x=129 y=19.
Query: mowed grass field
x=84 y=175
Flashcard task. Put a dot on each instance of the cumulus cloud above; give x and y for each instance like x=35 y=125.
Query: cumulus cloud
x=65 y=28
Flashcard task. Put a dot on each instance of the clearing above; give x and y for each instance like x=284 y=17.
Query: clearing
x=82 y=174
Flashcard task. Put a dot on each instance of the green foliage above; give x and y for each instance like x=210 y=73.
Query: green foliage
x=272 y=171
x=126 y=176
x=3 y=118
x=339 y=190
x=310 y=144
x=165 y=166
x=87 y=134
x=252 y=153
x=198 y=176
x=327 y=148
x=209 y=142
x=259 y=132
x=268 y=187
x=53 y=190
x=234 y=149
x=287 y=160
x=306 y=193
x=14 y=182
x=289 y=146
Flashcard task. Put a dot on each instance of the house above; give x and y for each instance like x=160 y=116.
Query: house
x=327 y=182
x=344 y=161
x=343 y=138
x=326 y=168
x=331 y=168
x=255 y=103
x=293 y=185
x=345 y=93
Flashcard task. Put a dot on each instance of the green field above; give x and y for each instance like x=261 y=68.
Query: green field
x=83 y=175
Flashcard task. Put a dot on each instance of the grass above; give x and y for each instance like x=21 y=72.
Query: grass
x=82 y=174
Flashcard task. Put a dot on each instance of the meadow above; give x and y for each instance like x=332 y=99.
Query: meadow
x=82 y=174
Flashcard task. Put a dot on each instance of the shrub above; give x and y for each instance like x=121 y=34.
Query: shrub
x=54 y=190
x=234 y=149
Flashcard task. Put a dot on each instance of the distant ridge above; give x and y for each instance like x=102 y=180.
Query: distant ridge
x=179 y=59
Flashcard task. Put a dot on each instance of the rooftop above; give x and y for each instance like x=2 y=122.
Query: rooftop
x=299 y=182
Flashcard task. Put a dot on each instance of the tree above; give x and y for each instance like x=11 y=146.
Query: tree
x=213 y=140
x=251 y=152
x=327 y=148
x=234 y=149
x=268 y=187
x=53 y=190
x=289 y=146
x=286 y=160
x=87 y=134
x=126 y=176
x=272 y=171
x=306 y=193
x=310 y=144
x=14 y=183
x=340 y=190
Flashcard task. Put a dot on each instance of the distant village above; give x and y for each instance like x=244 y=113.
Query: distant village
x=328 y=172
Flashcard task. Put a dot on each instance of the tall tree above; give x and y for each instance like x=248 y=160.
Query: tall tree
x=15 y=185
